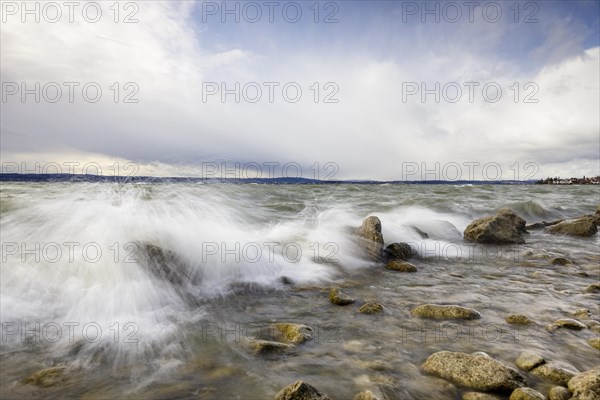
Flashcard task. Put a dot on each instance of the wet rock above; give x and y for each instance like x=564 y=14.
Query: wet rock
x=366 y=395
x=480 y=396
x=582 y=313
x=370 y=237
x=300 y=391
x=560 y=261
x=371 y=308
x=47 y=377
x=164 y=264
x=422 y=234
x=542 y=225
x=593 y=288
x=528 y=361
x=293 y=333
x=586 y=385
x=526 y=394
x=559 y=393
x=505 y=227
x=584 y=226
x=555 y=372
x=265 y=347
x=476 y=372
x=593 y=326
x=566 y=323
x=398 y=251
x=595 y=342
x=519 y=319
x=401 y=266
x=286 y=281
x=336 y=296
x=436 y=311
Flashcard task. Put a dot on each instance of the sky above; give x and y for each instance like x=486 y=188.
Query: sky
x=383 y=90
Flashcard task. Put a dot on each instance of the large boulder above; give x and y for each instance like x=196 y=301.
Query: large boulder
x=586 y=385
x=506 y=227
x=473 y=371
x=436 y=311
x=300 y=391
x=164 y=264
x=584 y=226
x=371 y=238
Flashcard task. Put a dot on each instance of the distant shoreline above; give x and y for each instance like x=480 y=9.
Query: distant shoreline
x=595 y=180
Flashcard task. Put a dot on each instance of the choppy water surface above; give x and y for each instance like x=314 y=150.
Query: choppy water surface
x=75 y=293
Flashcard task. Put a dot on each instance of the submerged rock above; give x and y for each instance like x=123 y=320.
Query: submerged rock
x=526 y=394
x=582 y=313
x=519 y=319
x=270 y=347
x=480 y=396
x=371 y=308
x=593 y=288
x=300 y=391
x=528 y=361
x=567 y=323
x=480 y=373
x=555 y=372
x=436 y=311
x=370 y=237
x=47 y=377
x=542 y=225
x=366 y=395
x=398 y=251
x=293 y=333
x=586 y=385
x=584 y=226
x=560 y=261
x=559 y=393
x=163 y=264
x=595 y=342
x=506 y=227
x=336 y=296
x=401 y=266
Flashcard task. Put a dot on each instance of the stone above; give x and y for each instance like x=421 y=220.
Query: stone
x=300 y=391
x=435 y=311
x=526 y=394
x=47 y=377
x=582 y=313
x=586 y=385
x=595 y=342
x=293 y=333
x=519 y=319
x=506 y=227
x=480 y=396
x=476 y=372
x=401 y=266
x=366 y=395
x=559 y=393
x=398 y=251
x=555 y=372
x=336 y=296
x=593 y=288
x=567 y=323
x=264 y=347
x=560 y=261
x=371 y=238
x=371 y=308
x=584 y=226
x=542 y=225
x=528 y=361
x=164 y=264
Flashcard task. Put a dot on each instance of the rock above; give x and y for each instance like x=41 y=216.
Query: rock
x=300 y=391
x=582 y=313
x=398 y=251
x=270 y=347
x=559 y=393
x=436 y=311
x=542 y=225
x=586 y=385
x=555 y=372
x=401 y=266
x=370 y=237
x=293 y=333
x=528 y=361
x=422 y=234
x=47 y=377
x=595 y=342
x=593 y=325
x=584 y=226
x=371 y=308
x=505 y=227
x=518 y=319
x=567 y=323
x=593 y=288
x=336 y=296
x=526 y=394
x=560 y=261
x=164 y=264
x=366 y=395
x=476 y=372
x=480 y=396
